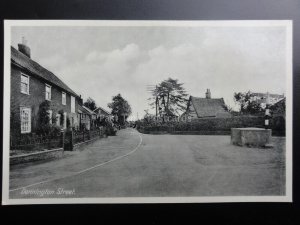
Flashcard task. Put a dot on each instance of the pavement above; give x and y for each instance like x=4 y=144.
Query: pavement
x=142 y=165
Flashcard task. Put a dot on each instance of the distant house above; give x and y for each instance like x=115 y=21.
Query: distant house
x=102 y=113
x=204 y=108
x=84 y=118
x=278 y=109
x=31 y=85
x=92 y=116
x=266 y=98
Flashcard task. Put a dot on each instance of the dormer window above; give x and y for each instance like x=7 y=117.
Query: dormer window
x=24 y=84
x=48 y=92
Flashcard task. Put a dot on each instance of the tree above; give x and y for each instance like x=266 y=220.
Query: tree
x=120 y=108
x=170 y=96
x=247 y=105
x=44 y=126
x=90 y=103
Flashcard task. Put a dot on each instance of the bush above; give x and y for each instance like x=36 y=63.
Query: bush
x=110 y=131
x=55 y=130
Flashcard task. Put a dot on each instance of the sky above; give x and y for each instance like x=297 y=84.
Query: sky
x=102 y=61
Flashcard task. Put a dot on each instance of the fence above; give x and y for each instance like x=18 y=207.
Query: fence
x=76 y=137
x=82 y=136
x=66 y=140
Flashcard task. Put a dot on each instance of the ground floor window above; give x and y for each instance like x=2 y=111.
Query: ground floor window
x=50 y=116
x=58 y=119
x=65 y=120
x=25 y=120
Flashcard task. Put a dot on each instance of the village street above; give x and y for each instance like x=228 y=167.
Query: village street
x=141 y=165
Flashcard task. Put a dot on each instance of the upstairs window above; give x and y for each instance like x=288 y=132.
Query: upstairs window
x=24 y=84
x=25 y=120
x=64 y=98
x=48 y=92
x=72 y=104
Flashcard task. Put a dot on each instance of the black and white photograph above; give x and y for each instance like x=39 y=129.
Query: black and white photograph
x=147 y=111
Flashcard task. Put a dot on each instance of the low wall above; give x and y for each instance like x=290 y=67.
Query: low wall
x=36 y=156
x=82 y=144
x=255 y=137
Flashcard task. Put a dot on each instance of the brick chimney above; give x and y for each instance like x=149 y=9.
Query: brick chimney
x=208 y=94
x=24 y=48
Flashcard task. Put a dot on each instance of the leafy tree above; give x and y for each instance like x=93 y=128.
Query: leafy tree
x=120 y=108
x=247 y=105
x=90 y=103
x=170 y=96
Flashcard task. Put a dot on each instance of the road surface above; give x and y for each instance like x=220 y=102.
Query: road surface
x=141 y=165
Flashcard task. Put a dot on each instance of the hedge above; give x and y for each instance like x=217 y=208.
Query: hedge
x=215 y=125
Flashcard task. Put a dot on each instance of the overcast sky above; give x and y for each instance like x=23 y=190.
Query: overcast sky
x=100 y=62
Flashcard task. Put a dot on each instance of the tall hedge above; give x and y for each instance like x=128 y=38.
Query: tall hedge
x=217 y=125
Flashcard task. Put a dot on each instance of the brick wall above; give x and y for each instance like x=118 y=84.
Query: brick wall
x=35 y=98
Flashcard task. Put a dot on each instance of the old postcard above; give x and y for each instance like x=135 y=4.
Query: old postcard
x=147 y=111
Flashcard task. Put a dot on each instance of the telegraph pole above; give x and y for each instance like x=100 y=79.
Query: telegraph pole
x=267 y=112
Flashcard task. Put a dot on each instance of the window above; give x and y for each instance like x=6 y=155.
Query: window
x=48 y=92
x=25 y=120
x=50 y=116
x=24 y=84
x=72 y=104
x=58 y=119
x=64 y=98
x=65 y=120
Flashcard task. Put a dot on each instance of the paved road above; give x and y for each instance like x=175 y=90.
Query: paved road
x=134 y=164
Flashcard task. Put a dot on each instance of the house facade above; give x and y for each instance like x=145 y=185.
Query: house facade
x=266 y=98
x=92 y=117
x=31 y=85
x=102 y=113
x=207 y=107
x=84 y=118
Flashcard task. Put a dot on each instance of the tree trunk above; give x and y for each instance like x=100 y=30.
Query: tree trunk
x=168 y=100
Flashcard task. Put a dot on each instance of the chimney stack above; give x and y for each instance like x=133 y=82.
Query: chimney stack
x=208 y=94
x=24 y=48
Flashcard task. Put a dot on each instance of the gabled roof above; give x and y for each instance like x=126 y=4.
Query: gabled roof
x=278 y=107
x=208 y=107
x=91 y=112
x=83 y=109
x=100 y=108
x=27 y=63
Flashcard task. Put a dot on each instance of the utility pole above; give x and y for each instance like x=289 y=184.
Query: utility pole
x=156 y=103
x=267 y=112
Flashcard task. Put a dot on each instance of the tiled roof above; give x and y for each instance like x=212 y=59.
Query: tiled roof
x=35 y=68
x=206 y=107
x=82 y=109
x=89 y=111
x=279 y=107
x=100 y=108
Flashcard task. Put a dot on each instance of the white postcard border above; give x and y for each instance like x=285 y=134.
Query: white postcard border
x=238 y=23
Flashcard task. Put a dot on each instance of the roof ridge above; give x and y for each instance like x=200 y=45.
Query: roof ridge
x=40 y=67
